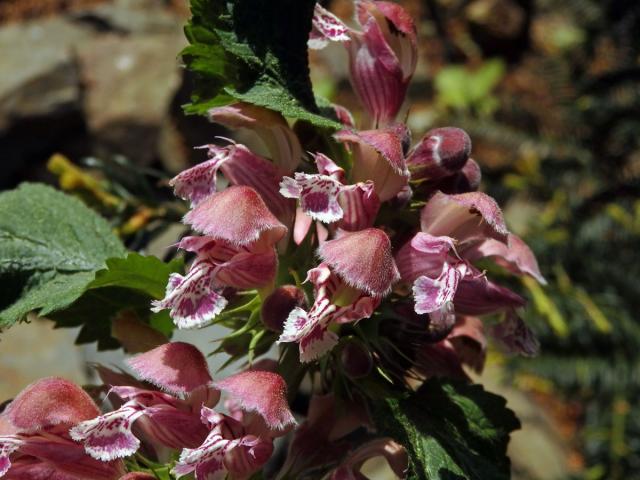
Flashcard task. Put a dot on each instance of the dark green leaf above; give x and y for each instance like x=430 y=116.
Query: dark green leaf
x=253 y=51
x=452 y=431
x=51 y=245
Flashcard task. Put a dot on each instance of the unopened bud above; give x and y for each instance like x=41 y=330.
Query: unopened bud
x=277 y=306
x=356 y=359
x=441 y=153
x=466 y=180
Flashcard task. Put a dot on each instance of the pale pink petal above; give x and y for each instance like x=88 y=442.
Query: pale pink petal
x=318 y=195
x=378 y=157
x=467 y=217
x=248 y=456
x=326 y=27
x=469 y=342
x=272 y=128
x=361 y=308
x=344 y=116
x=515 y=256
x=317 y=343
x=171 y=427
x=398 y=29
x=363 y=260
x=476 y=295
x=432 y=294
x=193 y=299
x=237 y=215
x=326 y=166
x=109 y=436
x=261 y=392
x=440 y=153
x=49 y=402
x=296 y=326
x=301 y=226
x=424 y=254
x=248 y=270
x=244 y=167
x=515 y=337
x=175 y=367
x=360 y=204
x=199 y=182
x=8 y=445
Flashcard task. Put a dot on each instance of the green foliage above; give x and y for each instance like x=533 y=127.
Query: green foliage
x=126 y=285
x=451 y=431
x=460 y=88
x=253 y=51
x=51 y=245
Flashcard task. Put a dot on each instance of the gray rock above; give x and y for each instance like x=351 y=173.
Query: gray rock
x=129 y=81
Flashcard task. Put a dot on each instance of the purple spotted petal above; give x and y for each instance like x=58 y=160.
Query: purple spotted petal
x=326 y=27
x=432 y=294
x=8 y=445
x=109 y=436
x=198 y=182
x=175 y=367
x=193 y=300
x=317 y=343
x=318 y=195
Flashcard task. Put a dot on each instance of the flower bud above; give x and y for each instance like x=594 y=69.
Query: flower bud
x=441 y=153
x=277 y=306
x=356 y=359
x=466 y=180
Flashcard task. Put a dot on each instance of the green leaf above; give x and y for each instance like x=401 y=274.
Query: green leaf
x=253 y=51
x=126 y=284
x=51 y=245
x=452 y=431
x=138 y=272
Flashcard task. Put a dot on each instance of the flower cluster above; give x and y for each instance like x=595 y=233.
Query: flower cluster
x=369 y=250
x=366 y=225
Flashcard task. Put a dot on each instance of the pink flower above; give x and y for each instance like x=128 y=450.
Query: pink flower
x=382 y=56
x=378 y=157
x=237 y=251
x=34 y=439
x=240 y=166
x=168 y=415
x=239 y=444
x=357 y=272
x=457 y=230
x=440 y=153
x=327 y=198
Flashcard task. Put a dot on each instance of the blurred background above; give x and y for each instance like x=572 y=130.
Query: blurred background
x=550 y=94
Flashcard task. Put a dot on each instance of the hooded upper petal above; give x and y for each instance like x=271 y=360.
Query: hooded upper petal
x=378 y=156
x=237 y=215
x=262 y=392
x=49 y=402
x=465 y=217
x=272 y=128
x=175 y=367
x=363 y=260
x=515 y=256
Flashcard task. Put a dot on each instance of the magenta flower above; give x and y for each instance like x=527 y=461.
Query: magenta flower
x=34 y=438
x=237 y=251
x=241 y=443
x=442 y=152
x=378 y=156
x=382 y=56
x=168 y=415
x=357 y=272
x=325 y=197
